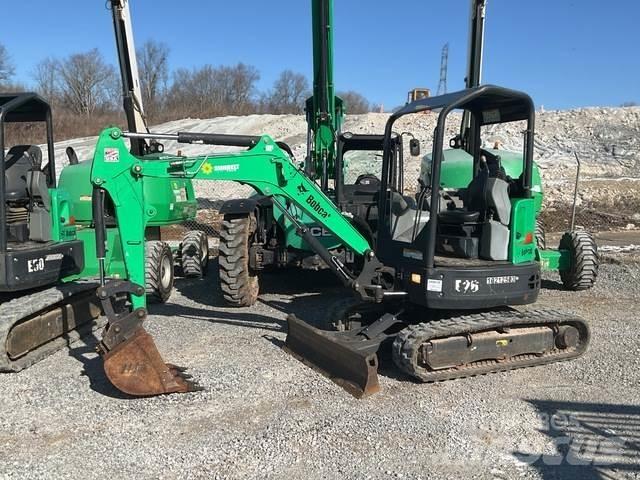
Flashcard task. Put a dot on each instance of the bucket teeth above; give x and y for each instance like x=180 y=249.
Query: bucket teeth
x=176 y=368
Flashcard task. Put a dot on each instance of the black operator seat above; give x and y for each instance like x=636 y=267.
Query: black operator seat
x=474 y=201
x=19 y=161
x=485 y=193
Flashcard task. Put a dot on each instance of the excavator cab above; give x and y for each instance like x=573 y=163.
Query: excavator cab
x=448 y=269
x=358 y=173
x=37 y=238
x=449 y=246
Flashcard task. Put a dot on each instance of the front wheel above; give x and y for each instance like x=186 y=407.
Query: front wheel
x=239 y=282
x=583 y=270
x=158 y=271
x=194 y=254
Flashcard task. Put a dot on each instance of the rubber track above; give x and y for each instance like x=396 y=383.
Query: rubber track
x=19 y=308
x=239 y=287
x=585 y=262
x=406 y=345
x=191 y=254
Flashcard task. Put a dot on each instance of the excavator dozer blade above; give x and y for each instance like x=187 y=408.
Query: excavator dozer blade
x=135 y=367
x=349 y=362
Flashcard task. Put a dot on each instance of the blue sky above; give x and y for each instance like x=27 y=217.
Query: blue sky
x=565 y=53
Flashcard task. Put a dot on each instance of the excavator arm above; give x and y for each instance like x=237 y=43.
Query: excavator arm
x=130 y=78
x=325 y=110
x=475 y=52
x=132 y=361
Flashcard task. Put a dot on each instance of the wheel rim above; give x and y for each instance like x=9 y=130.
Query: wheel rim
x=205 y=252
x=165 y=272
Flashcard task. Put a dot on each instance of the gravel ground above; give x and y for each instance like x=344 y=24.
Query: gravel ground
x=265 y=415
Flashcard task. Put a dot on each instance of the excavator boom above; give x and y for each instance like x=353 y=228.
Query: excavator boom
x=325 y=110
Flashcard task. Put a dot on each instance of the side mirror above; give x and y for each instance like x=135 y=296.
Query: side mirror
x=72 y=156
x=456 y=142
x=414 y=147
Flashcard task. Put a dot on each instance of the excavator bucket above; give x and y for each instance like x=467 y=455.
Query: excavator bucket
x=131 y=359
x=135 y=367
x=347 y=360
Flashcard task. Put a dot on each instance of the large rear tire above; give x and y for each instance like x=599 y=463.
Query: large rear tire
x=239 y=283
x=585 y=262
x=194 y=254
x=158 y=271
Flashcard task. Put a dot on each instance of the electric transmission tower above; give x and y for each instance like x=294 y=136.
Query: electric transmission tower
x=444 y=66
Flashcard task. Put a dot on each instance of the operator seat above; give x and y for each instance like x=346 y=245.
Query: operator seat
x=481 y=227
x=27 y=195
x=19 y=161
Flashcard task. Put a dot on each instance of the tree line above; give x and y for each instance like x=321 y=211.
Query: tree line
x=85 y=85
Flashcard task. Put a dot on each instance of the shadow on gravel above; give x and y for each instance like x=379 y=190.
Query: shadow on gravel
x=552 y=285
x=205 y=292
x=243 y=318
x=305 y=293
x=296 y=281
x=84 y=351
x=593 y=441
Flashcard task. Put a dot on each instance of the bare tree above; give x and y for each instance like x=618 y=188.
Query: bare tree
x=243 y=87
x=45 y=75
x=153 y=62
x=288 y=94
x=87 y=83
x=6 y=66
x=355 y=102
x=214 y=90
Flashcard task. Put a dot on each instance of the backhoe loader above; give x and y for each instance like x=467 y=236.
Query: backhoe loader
x=47 y=239
x=429 y=264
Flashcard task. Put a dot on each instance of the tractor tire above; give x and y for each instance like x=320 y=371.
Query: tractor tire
x=194 y=254
x=158 y=271
x=541 y=237
x=239 y=283
x=584 y=261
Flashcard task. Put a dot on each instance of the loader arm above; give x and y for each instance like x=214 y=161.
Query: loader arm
x=475 y=53
x=131 y=360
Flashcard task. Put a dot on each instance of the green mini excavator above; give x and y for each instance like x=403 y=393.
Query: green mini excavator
x=47 y=236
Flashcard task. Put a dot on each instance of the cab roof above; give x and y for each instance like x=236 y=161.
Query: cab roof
x=23 y=107
x=491 y=104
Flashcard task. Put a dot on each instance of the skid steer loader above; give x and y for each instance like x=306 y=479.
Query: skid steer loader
x=431 y=260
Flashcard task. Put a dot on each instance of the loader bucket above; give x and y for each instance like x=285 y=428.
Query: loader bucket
x=135 y=367
x=349 y=362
